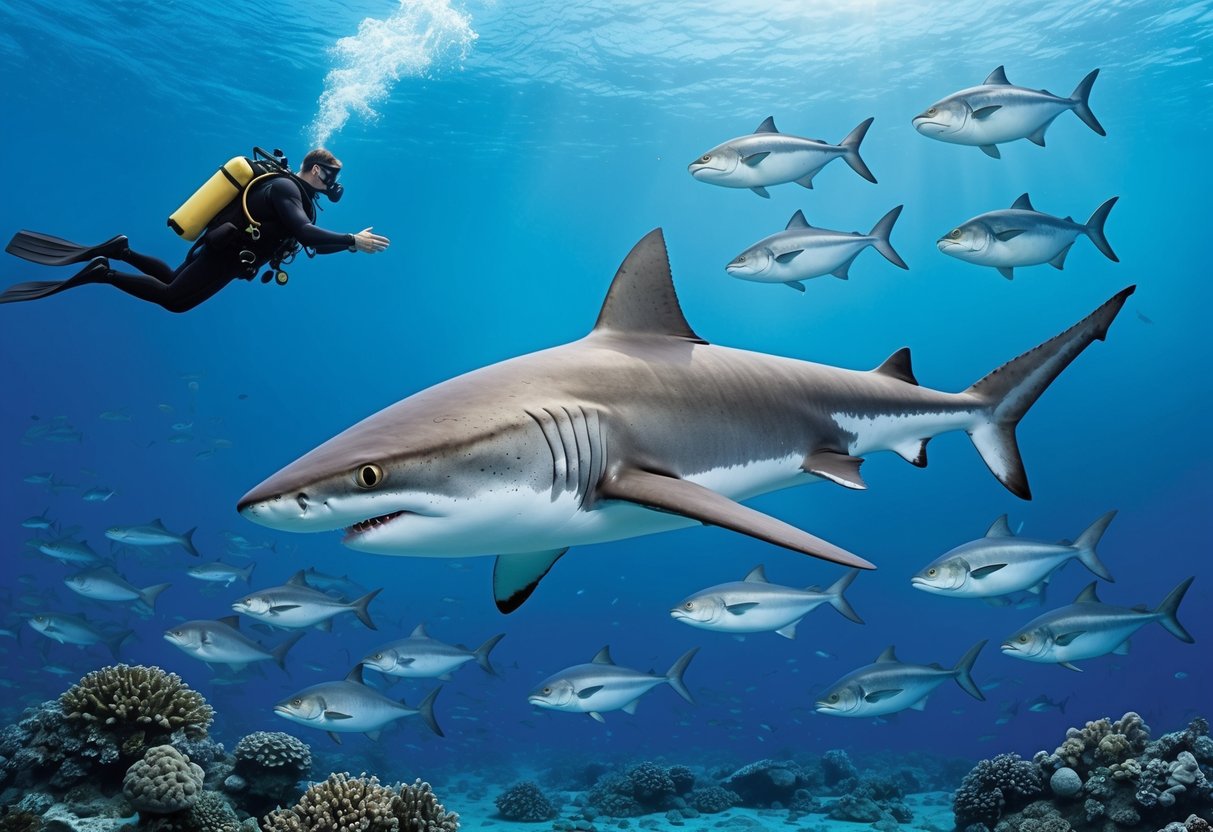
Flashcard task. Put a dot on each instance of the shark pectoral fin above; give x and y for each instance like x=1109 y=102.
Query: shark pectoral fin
x=335 y=737
x=1009 y=234
x=790 y=630
x=878 y=695
x=336 y=715
x=1067 y=638
x=1006 y=271
x=754 y=158
x=836 y=467
x=795 y=284
x=516 y=576
x=677 y=496
x=986 y=571
x=597 y=717
x=1059 y=260
x=630 y=708
x=982 y=113
x=740 y=609
x=788 y=256
x=586 y=693
x=991 y=150
x=761 y=191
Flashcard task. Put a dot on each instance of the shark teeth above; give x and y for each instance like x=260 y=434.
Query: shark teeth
x=373 y=523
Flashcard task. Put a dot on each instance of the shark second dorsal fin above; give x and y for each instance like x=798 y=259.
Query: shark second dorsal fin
x=641 y=300
x=797 y=221
x=1023 y=203
x=603 y=656
x=757 y=575
x=898 y=366
x=1000 y=528
x=1087 y=596
x=767 y=126
x=889 y=655
x=355 y=675
x=419 y=631
x=998 y=76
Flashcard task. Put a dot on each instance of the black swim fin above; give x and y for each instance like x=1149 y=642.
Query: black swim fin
x=54 y=251
x=95 y=272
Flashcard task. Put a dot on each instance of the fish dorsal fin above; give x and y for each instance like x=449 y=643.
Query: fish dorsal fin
x=767 y=126
x=1087 y=596
x=757 y=575
x=157 y=523
x=797 y=221
x=355 y=675
x=419 y=631
x=1000 y=528
x=603 y=656
x=297 y=579
x=1023 y=203
x=898 y=366
x=998 y=76
x=887 y=656
x=232 y=621
x=641 y=300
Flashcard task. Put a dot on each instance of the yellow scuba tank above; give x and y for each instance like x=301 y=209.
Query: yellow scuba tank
x=216 y=193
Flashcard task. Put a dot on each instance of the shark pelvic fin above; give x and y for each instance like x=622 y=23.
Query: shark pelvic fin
x=678 y=496
x=839 y=468
x=516 y=576
x=641 y=300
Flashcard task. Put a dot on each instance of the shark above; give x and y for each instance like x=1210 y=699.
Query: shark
x=639 y=427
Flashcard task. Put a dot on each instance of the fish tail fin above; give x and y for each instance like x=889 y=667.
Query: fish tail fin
x=482 y=654
x=359 y=608
x=674 y=675
x=851 y=145
x=1168 y=609
x=279 y=652
x=839 y=602
x=187 y=540
x=881 y=231
x=1006 y=393
x=1082 y=106
x=247 y=573
x=1094 y=229
x=115 y=643
x=1088 y=540
x=426 y=710
x=149 y=595
x=964 y=671
x=1061 y=706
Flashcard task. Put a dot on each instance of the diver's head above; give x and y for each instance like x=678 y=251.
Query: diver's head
x=320 y=170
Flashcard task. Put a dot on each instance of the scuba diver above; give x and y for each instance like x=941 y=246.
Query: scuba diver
x=251 y=213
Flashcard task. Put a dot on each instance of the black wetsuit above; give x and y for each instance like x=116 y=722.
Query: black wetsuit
x=284 y=207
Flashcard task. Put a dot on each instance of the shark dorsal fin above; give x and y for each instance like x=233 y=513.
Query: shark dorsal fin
x=641 y=300
x=355 y=675
x=1000 y=528
x=419 y=631
x=767 y=126
x=898 y=366
x=797 y=221
x=887 y=656
x=757 y=575
x=1023 y=203
x=603 y=656
x=998 y=76
x=297 y=579
x=232 y=621
x=157 y=523
x=1087 y=596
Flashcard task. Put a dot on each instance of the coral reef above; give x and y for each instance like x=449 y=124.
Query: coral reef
x=644 y=789
x=363 y=803
x=1003 y=783
x=765 y=782
x=713 y=799
x=525 y=802
x=268 y=768
x=163 y=782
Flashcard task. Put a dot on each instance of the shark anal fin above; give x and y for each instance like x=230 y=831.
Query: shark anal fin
x=761 y=191
x=789 y=631
x=795 y=284
x=839 y=468
x=678 y=496
x=1006 y=271
x=1059 y=259
x=516 y=576
x=630 y=708
x=991 y=150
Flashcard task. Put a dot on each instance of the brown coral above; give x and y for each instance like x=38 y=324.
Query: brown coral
x=1104 y=741
x=127 y=701
x=163 y=782
x=363 y=803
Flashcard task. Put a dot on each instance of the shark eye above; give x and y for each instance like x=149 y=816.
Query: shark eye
x=931 y=572
x=707 y=157
x=369 y=475
x=954 y=233
x=690 y=605
x=931 y=111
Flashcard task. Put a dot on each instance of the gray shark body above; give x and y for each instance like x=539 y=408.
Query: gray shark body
x=639 y=427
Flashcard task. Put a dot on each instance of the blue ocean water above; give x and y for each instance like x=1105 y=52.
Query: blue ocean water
x=513 y=153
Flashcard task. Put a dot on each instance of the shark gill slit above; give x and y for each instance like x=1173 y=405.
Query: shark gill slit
x=555 y=448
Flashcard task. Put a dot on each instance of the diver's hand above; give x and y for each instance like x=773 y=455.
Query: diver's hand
x=369 y=243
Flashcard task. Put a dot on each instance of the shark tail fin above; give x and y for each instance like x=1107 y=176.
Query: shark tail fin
x=851 y=145
x=279 y=652
x=482 y=654
x=1082 y=106
x=964 y=671
x=881 y=231
x=426 y=710
x=674 y=675
x=151 y=593
x=187 y=540
x=1168 y=609
x=1094 y=229
x=359 y=608
x=1088 y=540
x=247 y=572
x=1006 y=394
x=839 y=602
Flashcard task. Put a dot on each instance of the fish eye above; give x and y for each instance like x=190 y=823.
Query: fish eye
x=369 y=475
x=377 y=656
x=833 y=697
x=707 y=157
x=1023 y=639
x=954 y=233
x=931 y=572
x=546 y=691
x=741 y=259
x=690 y=605
x=932 y=111
x=296 y=702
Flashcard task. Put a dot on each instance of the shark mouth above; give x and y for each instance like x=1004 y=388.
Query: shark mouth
x=364 y=526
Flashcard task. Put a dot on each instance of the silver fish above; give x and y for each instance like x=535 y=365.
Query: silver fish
x=219 y=572
x=890 y=685
x=1043 y=703
x=602 y=686
x=350 y=707
x=221 y=642
x=1022 y=236
x=1089 y=628
x=152 y=534
x=768 y=157
x=998 y=111
x=66 y=550
x=295 y=605
x=76 y=629
x=1001 y=563
x=801 y=252
x=753 y=605
x=98 y=495
x=421 y=657
x=104 y=584
x=639 y=427
x=38 y=521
